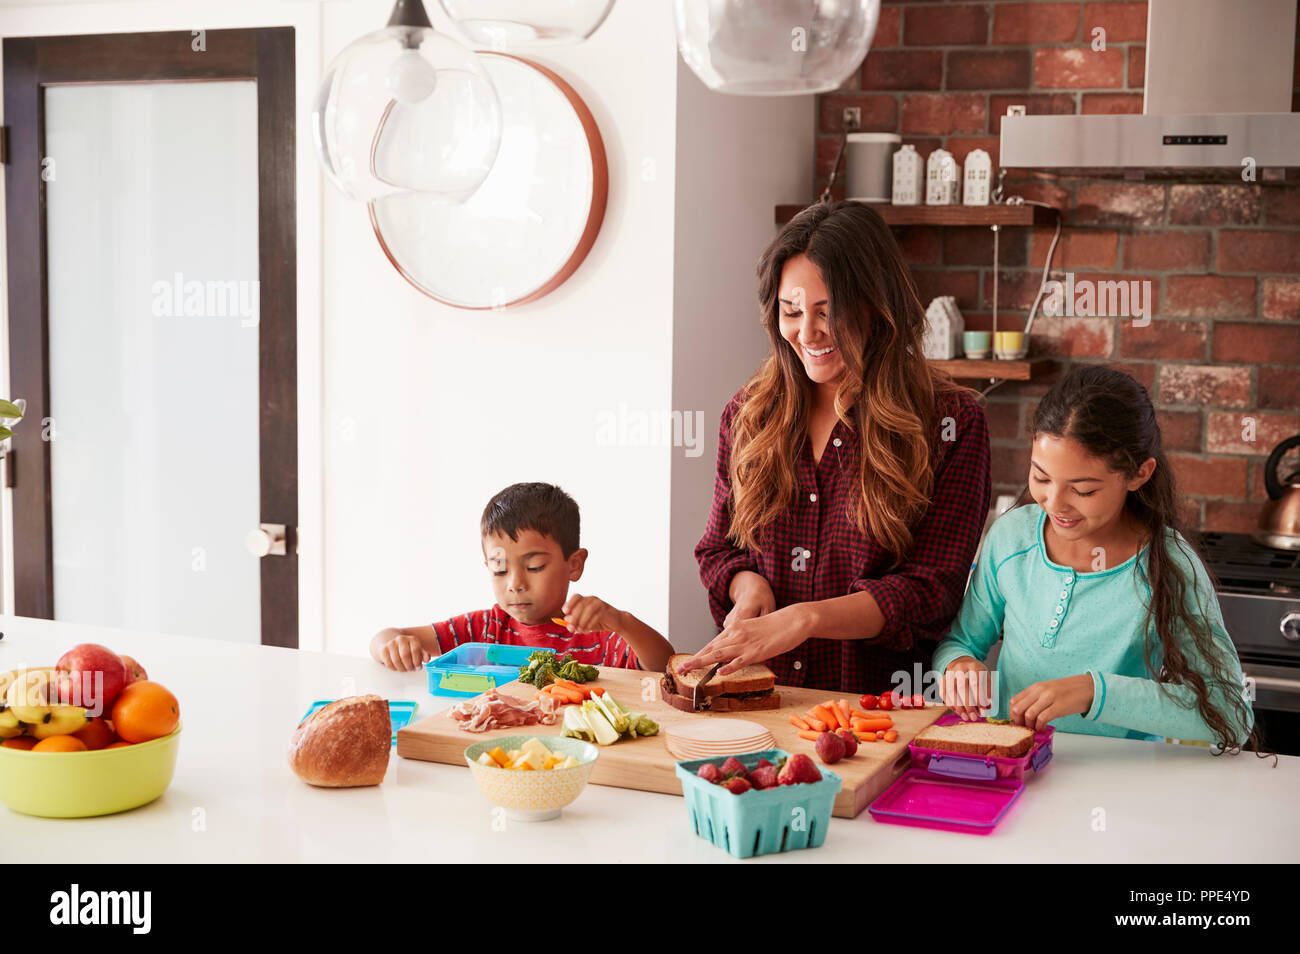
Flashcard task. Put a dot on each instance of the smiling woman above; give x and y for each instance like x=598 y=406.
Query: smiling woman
x=852 y=478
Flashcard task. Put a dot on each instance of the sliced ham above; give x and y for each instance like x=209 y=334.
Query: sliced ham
x=495 y=711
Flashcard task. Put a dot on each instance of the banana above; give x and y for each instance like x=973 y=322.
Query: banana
x=10 y=727
x=32 y=698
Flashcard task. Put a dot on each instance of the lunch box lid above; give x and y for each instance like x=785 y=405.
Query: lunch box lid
x=932 y=800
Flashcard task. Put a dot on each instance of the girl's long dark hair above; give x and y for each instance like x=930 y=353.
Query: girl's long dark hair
x=1111 y=415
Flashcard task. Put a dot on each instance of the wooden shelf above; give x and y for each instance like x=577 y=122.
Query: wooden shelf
x=992 y=369
x=985 y=215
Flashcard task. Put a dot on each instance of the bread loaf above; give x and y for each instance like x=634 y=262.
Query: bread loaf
x=344 y=744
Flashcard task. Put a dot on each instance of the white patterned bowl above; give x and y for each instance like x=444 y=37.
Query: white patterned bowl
x=538 y=795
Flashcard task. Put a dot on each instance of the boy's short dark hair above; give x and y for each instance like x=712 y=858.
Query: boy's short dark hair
x=543 y=508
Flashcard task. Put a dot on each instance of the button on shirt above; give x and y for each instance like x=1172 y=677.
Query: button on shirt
x=815 y=551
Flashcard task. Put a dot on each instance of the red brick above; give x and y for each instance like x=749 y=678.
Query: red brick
x=1077 y=248
x=1210 y=477
x=888 y=28
x=1165 y=340
x=1137 y=67
x=903 y=69
x=924 y=145
x=1037 y=189
x=1227 y=432
x=1036 y=104
x=1004 y=419
x=999 y=69
x=1035 y=23
x=1282 y=203
x=1226 y=517
x=1078 y=68
x=1144 y=373
x=943 y=114
x=1113 y=301
x=1111 y=104
x=975 y=247
x=1279 y=389
x=1179 y=430
x=1209 y=296
x=1251 y=342
x=919 y=244
x=1119 y=203
x=1206 y=385
x=1073 y=337
x=962 y=284
x=1167 y=250
x=1214 y=204
x=1010 y=465
x=962 y=146
x=953 y=26
x=1258 y=250
x=1122 y=22
x=1016 y=289
x=879 y=113
x=1281 y=299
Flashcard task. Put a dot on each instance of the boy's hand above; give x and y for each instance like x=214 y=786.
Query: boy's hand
x=588 y=614
x=403 y=653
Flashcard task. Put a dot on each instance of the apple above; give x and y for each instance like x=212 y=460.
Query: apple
x=90 y=675
x=134 y=671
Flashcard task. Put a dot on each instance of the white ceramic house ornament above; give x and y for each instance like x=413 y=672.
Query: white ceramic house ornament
x=978 y=174
x=942 y=179
x=909 y=176
x=941 y=340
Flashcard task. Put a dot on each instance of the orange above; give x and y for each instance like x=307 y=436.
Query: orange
x=60 y=743
x=96 y=733
x=117 y=745
x=21 y=742
x=143 y=711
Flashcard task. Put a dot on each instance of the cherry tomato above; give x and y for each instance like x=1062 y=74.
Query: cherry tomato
x=886 y=700
x=918 y=701
x=901 y=701
x=867 y=702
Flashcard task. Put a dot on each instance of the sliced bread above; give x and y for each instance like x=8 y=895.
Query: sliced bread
x=756 y=678
x=978 y=738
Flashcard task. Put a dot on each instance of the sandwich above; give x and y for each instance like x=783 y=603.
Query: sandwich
x=978 y=738
x=701 y=690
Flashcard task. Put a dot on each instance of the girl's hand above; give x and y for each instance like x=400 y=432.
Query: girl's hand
x=1042 y=702
x=968 y=687
x=403 y=653
x=752 y=597
x=754 y=639
x=587 y=614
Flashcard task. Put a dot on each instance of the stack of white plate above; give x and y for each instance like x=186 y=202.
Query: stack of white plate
x=716 y=738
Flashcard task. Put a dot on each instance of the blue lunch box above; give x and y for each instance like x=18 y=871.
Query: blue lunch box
x=471 y=669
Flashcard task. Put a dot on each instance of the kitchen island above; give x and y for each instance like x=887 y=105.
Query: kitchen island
x=234 y=798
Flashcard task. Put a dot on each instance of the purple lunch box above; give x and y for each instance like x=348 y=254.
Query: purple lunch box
x=957 y=792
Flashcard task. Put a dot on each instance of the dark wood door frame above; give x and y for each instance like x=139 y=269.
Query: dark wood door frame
x=33 y=63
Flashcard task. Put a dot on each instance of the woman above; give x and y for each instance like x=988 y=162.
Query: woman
x=852 y=480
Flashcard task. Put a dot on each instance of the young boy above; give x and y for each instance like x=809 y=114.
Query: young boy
x=530 y=549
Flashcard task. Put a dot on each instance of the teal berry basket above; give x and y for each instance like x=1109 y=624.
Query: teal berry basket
x=757 y=822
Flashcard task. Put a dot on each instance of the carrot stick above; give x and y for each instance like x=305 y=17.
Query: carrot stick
x=597 y=691
x=825 y=715
x=891 y=735
x=817 y=724
x=810 y=736
x=842 y=708
x=871 y=725
x=575 y=687
x=570 y=695
x=865 y=736
x=799 y=723
x=880 y=734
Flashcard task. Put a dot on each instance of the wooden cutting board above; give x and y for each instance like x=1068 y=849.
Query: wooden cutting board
x=646 y=764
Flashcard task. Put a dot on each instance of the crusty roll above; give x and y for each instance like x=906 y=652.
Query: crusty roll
x=344 y=744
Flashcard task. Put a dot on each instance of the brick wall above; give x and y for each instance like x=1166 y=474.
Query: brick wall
x=1223 y=256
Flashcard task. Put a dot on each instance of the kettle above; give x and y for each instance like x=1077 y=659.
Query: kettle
x=1279 y=521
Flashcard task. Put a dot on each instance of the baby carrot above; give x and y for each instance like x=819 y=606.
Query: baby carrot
x=817 y=724
x=865 y=736
x=891 y=735
x=842 y=707
x=824 y=715
x=799 y=723
x=810 y=736
x=880 y=734
x=572 y=695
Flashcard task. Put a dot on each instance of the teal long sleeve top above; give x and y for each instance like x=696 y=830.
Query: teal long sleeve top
x=1055 y=621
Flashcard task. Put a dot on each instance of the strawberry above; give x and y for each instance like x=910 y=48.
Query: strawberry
x=709 y=772
x=764 y=777
x=799 y=769
x=850 y=742
x=734 y=767
x=736 y=785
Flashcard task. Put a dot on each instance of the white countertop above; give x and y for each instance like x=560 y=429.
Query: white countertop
x=234 y=797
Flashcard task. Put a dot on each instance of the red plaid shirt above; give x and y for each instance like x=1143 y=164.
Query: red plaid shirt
x=495 y=625
x=817 y=553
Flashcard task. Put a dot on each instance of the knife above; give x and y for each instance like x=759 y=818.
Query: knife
x=695 y=691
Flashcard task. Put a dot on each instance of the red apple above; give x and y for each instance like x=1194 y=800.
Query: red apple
x=134 y=671
x=90 y=675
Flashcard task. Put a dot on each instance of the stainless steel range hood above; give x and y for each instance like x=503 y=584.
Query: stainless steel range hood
x=1219 y=77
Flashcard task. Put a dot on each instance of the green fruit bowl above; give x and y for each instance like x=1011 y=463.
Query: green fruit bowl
x=81 y=784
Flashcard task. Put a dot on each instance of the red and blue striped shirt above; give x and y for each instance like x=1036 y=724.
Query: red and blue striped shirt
x=495 y=625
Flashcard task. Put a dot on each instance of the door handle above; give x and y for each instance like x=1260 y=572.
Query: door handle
x=268 y=539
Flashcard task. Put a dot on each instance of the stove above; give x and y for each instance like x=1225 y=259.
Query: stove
x=1259 y=593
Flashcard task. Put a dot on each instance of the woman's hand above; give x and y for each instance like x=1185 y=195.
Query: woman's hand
x=968 y=687
x=751 y=596
x=755 y=639
x=1042 y=702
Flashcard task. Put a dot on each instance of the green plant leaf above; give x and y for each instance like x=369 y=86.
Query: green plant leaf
x=5 y=432
x=9 y=409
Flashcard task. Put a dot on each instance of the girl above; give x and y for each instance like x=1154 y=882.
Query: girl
x=852 y=480
x=1109 y=622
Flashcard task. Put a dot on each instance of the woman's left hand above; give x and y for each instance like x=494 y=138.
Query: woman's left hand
x=755 y=640
x=1037 y=705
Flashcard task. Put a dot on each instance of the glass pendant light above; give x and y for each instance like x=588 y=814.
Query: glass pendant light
x=407 y=109
x=775 y=47
x=502 y=24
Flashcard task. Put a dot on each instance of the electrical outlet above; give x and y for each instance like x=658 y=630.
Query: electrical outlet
x=851 y=117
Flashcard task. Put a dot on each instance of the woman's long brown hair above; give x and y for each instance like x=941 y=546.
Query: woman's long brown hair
x=876 y=322
x=1111 y=415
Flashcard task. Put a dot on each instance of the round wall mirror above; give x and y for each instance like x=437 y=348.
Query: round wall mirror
x=532 y=222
